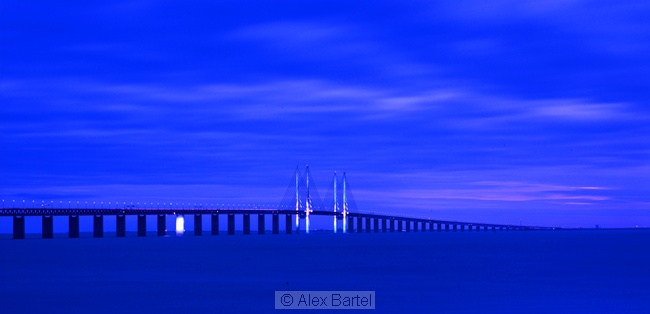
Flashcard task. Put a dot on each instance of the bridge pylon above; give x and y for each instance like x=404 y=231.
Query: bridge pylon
x=336 y=204
x=345 y=203
x=302 y=196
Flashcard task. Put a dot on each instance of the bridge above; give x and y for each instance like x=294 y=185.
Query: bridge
x=301 y=201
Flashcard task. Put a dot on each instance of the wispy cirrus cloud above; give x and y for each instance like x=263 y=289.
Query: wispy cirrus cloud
x=266 y=100
x=270 y=100
x=502 y=191
x=344 y=45
x=600 y=24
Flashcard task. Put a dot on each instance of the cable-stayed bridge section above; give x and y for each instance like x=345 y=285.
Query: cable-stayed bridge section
x=300 y=202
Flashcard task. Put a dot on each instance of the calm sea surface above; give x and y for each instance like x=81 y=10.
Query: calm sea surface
x=604 y=271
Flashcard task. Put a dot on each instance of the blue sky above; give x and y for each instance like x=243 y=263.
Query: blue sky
x=494 y=111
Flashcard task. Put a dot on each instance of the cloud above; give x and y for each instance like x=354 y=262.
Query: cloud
x=291 y=34
x=494 y=112
x=266 y=100
x=347 y=47
x=507 y=192
x=509 y=9
x=581 y=110
x=606 y=27
x=308 y=40
x=286 y=98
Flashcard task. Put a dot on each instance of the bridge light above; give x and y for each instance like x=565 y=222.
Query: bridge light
x=180 y=225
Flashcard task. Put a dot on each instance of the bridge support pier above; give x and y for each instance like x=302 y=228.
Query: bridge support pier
x=247 y=224
x=214 y=224
x=424 y=226
x=231 y=224
x=350 y=224
x=392 y=225
x=288 y=224
x=19 y=227
x=276 y=224
x=470 y=227
x=399 y=226
x=359 y=224
x=198 y=224
x=48 y=227
x=455 y=227
x=384 y=225
x=142 y=225
x=73 y=226
x=98 y=226
x=408 y=225
x=260 y=224
x=415 y=226
x=367 y=224
x=120 y=226
x=162 y=225
x=376 y=224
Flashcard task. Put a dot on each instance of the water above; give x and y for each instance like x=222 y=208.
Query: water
x=602 y=271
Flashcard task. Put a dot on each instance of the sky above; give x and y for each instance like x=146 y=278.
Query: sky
x=488 y=111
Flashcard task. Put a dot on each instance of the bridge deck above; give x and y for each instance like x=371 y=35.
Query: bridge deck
x=51 y=211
